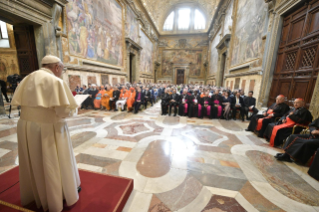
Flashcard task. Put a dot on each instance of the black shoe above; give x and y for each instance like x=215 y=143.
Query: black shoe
x=284 y=157
x=115 y=110
x=278 y=155
x=174 y=114
x=79 y=189
x=248 y=130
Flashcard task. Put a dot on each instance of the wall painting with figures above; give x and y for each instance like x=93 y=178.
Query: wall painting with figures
x=132 y=25
x=96 y=30
x=190 y=58
x=247 y=39
x=147 y=54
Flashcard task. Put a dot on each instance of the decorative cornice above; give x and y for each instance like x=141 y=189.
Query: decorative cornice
x=133 y=43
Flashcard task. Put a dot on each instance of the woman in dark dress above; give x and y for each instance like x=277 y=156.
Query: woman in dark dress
x=226 y=105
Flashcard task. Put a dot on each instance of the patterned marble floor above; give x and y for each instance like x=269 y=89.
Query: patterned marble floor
x=181 y=164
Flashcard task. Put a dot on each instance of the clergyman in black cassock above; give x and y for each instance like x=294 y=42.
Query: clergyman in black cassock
x=279 y=131
x=206 y=106
x=260 y=122
x=139 y=99
x=193 y=109
x=174 y=102
x=116 y=95
x=301 y=147
x=217 y=107
x=314 y=168
x=186 y=102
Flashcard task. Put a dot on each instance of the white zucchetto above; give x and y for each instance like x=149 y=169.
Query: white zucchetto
x=50 y=59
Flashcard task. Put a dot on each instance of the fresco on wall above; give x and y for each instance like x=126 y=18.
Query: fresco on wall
x=213 y=62
x=190 y=58
x=131 y=25
x=228 y=20
x=96 y=30
x=247 y=39
x=146 y=57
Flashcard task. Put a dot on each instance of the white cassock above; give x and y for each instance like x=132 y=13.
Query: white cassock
x=48 y=172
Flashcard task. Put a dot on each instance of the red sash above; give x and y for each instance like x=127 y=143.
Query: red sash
x=288 y=124
x=260 y=121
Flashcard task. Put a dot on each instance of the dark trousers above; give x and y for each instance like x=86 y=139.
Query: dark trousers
x=301 y=147
x=235 y=109
x=175 y=105
x=146 y=101
x=112 y=104
x=164 y=108
x=254 y=110
x=253 y=122
x=313 y=170
x=137 y=106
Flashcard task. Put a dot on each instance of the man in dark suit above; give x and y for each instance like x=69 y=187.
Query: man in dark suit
x=147 y=97
x=250 y=105
x=165 y=101
x=238 y=104
x=174 y=102
x=139 y=99
x=116 y=95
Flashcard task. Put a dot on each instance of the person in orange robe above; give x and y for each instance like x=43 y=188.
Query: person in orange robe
x=106 y=97
x=131 y=99
x=122 y=99
x=98 y=98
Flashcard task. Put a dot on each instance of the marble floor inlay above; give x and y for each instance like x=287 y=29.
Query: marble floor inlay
x=180 y=164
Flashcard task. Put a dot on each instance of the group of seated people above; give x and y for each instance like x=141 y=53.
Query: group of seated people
x=275 y=124
x=281 y=125
x=207 y=101
x=125 y=97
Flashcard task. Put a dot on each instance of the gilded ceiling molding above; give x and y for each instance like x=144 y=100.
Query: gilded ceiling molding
x=218 y=18
x=140 y=16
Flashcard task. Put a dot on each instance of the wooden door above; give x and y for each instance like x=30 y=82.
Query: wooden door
x=297 y=65
x=26 y=51
x=180 y=76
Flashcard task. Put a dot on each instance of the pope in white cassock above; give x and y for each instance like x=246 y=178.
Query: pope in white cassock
x=48 y=171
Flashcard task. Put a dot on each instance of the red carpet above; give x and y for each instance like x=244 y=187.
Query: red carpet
x=100 y=192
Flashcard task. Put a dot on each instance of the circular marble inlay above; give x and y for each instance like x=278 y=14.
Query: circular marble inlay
x=156 y=160
x=171 y=120
x=280 y=177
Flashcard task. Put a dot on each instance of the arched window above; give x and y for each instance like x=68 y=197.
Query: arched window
x=199 y=20
x=168 y=25
x=4 y=38
x=185 y=18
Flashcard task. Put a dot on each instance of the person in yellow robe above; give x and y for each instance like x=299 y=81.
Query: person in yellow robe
x=98 y=98
x=47 y=167
x=106 y=97
x=131 y=99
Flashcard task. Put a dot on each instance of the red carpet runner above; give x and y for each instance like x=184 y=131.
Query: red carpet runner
x=100 y=192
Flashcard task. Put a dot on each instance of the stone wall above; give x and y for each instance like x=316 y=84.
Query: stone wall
x=187 y=52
